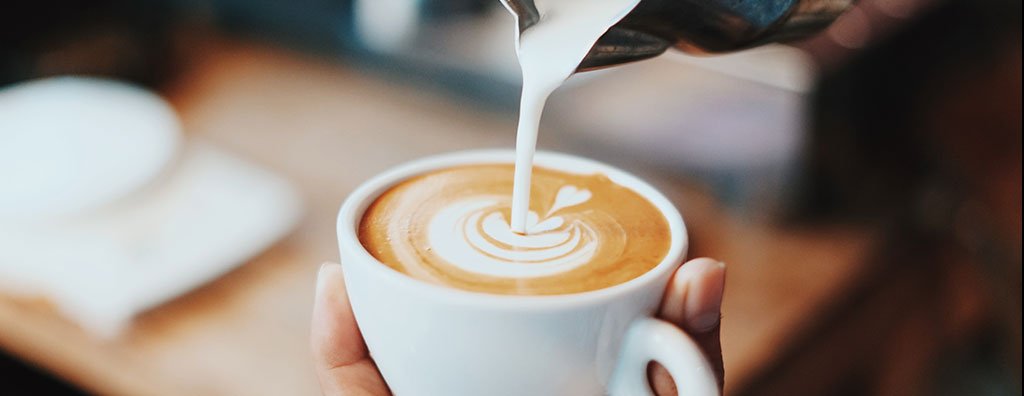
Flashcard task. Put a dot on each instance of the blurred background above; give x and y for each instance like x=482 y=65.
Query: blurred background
x=864 y=185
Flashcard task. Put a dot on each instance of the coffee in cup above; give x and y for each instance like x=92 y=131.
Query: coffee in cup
x=451 y=227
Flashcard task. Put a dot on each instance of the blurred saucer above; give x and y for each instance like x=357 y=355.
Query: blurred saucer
x=209 y=214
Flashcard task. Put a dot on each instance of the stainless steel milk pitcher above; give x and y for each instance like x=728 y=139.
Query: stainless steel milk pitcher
x=698 y=26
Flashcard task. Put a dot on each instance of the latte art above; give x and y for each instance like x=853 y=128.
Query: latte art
x=452 y=227
x=483 y=241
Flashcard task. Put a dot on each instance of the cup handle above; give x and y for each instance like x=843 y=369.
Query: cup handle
x=650 y=339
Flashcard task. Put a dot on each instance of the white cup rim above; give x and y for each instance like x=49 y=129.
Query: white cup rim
x=357 y=202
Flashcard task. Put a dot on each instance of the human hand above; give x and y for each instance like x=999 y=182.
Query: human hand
x=692 y=301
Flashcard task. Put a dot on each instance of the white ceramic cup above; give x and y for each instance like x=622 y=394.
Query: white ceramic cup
x=432 y=340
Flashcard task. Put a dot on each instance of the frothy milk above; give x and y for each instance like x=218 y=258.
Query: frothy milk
x=549 y=52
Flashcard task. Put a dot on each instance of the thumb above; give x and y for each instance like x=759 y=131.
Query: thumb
x=693 y=301
x=343 y=364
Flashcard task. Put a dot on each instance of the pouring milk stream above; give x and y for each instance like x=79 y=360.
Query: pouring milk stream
x=549 y=52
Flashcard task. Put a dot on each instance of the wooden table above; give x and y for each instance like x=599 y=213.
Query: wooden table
x=328 y=128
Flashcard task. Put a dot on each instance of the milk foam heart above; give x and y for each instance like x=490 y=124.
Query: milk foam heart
x=484 y=243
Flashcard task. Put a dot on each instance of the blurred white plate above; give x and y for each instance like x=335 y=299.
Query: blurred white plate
x=68 y=144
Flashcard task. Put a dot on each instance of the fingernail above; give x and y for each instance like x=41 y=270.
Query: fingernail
x=321 y=280
x=704 y=298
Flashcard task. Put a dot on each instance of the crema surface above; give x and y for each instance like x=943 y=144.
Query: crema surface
x=451 y=227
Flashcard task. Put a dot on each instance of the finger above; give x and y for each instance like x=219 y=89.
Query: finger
x=342 y=361
x=693 y=302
